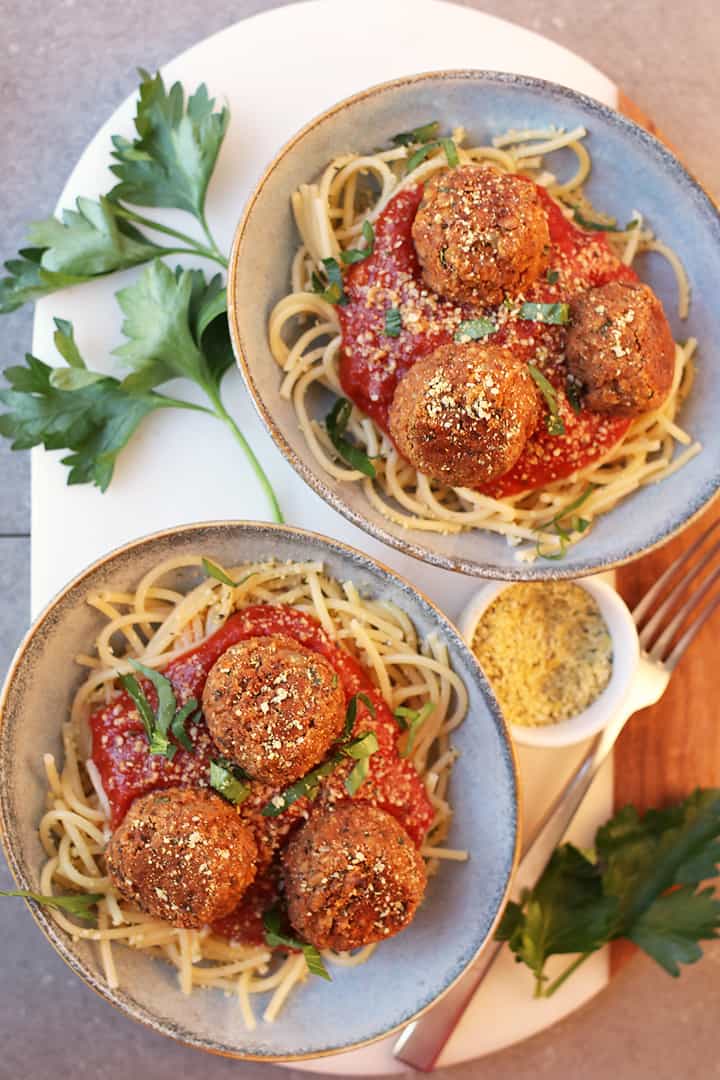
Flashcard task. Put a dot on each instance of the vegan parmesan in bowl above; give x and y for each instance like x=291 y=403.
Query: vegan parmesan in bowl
x=546 y=650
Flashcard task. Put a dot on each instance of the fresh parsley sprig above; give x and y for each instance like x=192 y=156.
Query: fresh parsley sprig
x=329 y=283
x=175 y=320
x=336 y=423
x=556 y=314
x=275 y=937
x=608 y=225
x=214 y=571
x=360 y=749
x=78 y=904
x=642 y=883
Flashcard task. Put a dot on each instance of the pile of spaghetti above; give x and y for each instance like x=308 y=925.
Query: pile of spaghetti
x=305 y=337
x=156 y=624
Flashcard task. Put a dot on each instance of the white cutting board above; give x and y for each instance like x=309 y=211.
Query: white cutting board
x=276 y=71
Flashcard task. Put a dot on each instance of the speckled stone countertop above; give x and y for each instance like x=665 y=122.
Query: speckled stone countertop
x=64 y=66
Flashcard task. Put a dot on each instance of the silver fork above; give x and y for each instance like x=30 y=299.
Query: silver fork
x=664 y=636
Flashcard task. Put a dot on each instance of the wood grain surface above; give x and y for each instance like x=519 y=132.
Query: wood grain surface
x=669 y=749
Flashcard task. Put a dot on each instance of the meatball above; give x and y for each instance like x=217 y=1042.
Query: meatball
x=352 y=876
x=274 y=707
x=480 y=234
x=620 y=348
x=464 y=413
x=183 y=855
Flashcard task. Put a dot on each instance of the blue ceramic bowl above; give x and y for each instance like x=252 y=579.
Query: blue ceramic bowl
x=406 y=973
x=631 y=170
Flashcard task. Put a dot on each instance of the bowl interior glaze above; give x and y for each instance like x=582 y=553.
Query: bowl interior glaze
x=407 y=972
x=631 y=171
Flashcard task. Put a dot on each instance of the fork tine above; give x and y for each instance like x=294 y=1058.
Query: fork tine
x=693 y=601
x=647 y=632
x=690 y=633
x=643 y=606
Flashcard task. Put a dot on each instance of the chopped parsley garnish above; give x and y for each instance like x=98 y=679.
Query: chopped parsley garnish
x=424 y=151
x=166 y=718
x=610 y=225
x=329 y=285
x=557 y=314
x=78 y=904
x=572 y=393
x=393 y=322
x=191 y=711
x=229 y=780
x=214 y=571
x=360 y=749
x=276 y=937
x=356 y=255
x=336 y=423
x=555 y=425
x=577 y=524
x=642 y=881
x=424 y=133
x=474 y=329
x=552 y=276
x=411 y=720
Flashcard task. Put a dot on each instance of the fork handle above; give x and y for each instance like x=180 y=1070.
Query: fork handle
x=422 y=1042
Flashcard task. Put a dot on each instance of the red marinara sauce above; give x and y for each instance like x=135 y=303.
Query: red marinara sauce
x=372 y=363
x=127 y=769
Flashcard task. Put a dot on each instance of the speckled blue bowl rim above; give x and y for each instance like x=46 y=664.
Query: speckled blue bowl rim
x=523 y=571
x=53 y=613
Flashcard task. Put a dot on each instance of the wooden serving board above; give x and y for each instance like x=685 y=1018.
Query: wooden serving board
x=672 y=747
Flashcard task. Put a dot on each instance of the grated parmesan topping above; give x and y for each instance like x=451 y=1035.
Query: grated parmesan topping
x=546 y=649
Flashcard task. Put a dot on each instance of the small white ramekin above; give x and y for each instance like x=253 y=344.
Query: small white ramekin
x=626 y=651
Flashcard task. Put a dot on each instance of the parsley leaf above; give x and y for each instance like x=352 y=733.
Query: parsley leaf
x=393 y=322
x=92 y=415
x=336 y=423
x=190 y=710
x=609 y=225
x=411 y=720
x=558 y=314
x=356 y=255
x=228 y=780
x=421 y=134
x=166 y=315
x=214 y=571
x=77 y=904
x=165 y=717
x=275 y=937
x=424 y=151
x=330 y=285
x=170 y=161
x=89 y=241
x=554 y=421
x=642 y=885
x=474 y=329
x=552 y=276
x=360 y=749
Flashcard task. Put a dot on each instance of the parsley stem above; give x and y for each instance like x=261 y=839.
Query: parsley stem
x=194 y=248
x=222 y=414
x=557 y=983
x=211 y=240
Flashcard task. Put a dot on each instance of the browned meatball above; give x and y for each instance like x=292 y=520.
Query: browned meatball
x=274 y=707
x=480 y=234
x=352 y=876
x=620 y=348
x=464 y=413
x=183 y=855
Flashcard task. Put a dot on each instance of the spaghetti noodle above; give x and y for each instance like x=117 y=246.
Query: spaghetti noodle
x=306 y=339
x=156 y=625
